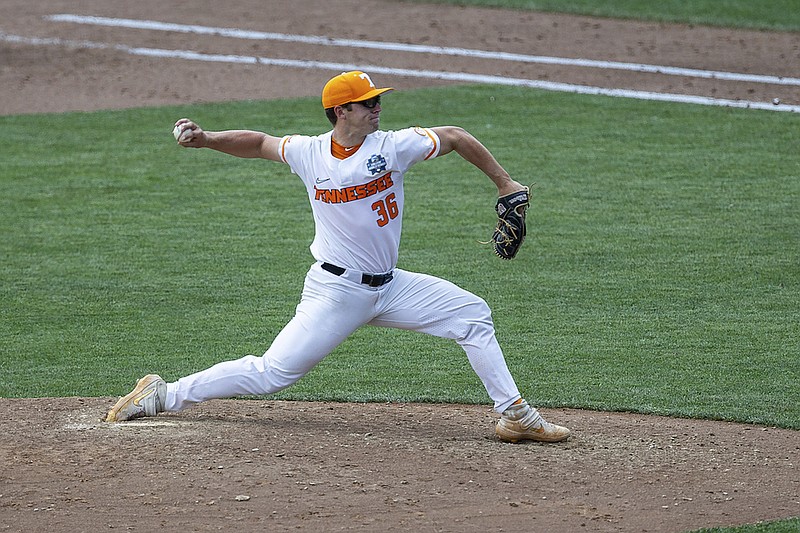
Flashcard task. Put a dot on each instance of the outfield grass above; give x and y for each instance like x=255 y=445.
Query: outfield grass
x=660 y=275
x=782 y=15
x=783 y=526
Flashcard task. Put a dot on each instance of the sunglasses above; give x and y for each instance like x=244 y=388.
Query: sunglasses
x=371 y=103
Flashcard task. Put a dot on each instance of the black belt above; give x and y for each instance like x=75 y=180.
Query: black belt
x=373 y=280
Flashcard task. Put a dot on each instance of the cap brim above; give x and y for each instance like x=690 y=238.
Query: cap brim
x=373 y=93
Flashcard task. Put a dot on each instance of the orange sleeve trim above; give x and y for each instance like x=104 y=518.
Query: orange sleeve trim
x=283 y=149
x=435 y=141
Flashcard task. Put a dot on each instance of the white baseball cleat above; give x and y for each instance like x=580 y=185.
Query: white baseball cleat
x=147 y=399
x=523 y=422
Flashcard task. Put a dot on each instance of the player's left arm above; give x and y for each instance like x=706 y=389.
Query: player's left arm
x=457 y=139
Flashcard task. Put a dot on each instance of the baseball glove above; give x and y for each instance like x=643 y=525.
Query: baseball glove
x=510 y=229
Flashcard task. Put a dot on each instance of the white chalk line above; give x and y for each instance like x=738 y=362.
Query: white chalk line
x=378 y=69
x=138 y=424
x=417 y=48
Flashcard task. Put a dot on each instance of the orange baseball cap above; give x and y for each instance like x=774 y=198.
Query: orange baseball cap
x=353 y=86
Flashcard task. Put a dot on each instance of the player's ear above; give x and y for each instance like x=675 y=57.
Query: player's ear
x=340 y=109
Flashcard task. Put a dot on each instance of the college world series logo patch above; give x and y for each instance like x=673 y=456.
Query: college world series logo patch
x=376 y=164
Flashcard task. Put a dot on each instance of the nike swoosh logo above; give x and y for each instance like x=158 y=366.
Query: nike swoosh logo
x=349 y=148
x=318 y=180
x=137 y=401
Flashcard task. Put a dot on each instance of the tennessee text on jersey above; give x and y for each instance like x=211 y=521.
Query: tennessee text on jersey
x=356 y=192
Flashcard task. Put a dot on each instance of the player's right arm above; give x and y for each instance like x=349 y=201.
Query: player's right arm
x=239 y=143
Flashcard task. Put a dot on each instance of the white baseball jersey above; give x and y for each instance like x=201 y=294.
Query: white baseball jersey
x=358 y=202
x=358 y=211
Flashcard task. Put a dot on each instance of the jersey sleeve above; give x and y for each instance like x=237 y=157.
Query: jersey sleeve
x=413 y=145
x=289 y=149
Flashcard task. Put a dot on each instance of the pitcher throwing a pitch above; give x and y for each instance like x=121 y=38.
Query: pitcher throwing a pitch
x=354 y=179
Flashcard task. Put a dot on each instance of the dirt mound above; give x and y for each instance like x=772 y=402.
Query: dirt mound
x=274 y=465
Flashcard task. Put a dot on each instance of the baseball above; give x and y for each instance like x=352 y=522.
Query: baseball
x=182 y=135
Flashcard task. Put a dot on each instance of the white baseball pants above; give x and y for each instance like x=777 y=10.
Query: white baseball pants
x=331 y=308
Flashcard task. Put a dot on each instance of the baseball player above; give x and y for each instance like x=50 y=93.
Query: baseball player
x=354 y=176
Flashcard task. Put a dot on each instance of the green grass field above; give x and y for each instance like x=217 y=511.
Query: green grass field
x=660 y=275
x=783 y=15
x=783 y=526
